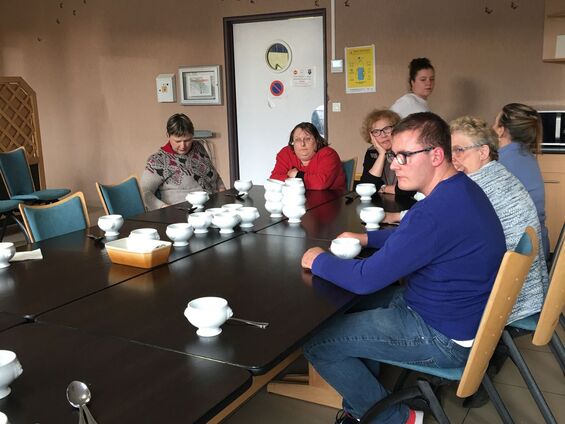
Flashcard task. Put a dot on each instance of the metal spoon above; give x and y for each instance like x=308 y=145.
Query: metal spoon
x=94 y=237
x=257 y=324
x=78 y=395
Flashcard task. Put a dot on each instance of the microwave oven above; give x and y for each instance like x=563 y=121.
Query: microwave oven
x=553 y=123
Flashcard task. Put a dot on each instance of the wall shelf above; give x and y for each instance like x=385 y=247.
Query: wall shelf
x=553 y=27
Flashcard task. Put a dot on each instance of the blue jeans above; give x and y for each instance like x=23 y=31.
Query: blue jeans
x=346 y=352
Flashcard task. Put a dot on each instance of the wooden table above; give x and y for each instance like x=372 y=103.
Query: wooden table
x=130 y=383
x=10 y=320
x=74 y=266
x=256 y=197
x=330 y=219
x=259 y=275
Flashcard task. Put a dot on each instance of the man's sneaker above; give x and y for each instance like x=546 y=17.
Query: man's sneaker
x=415 y=417
x=343 y=417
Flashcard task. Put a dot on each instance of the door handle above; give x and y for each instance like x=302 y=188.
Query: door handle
x=552 y=182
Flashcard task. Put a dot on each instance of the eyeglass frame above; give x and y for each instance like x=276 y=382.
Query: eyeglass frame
x=456 y=151
x=378 y=132
x=304 y=140
x=391 y=156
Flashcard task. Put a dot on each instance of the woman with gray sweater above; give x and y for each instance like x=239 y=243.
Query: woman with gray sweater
x=474 y=151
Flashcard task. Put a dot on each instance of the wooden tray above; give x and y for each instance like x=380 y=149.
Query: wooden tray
x=120 y=254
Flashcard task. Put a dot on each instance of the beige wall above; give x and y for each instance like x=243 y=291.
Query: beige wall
x=94 y=73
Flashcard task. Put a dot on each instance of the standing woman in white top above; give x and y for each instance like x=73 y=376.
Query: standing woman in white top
x=422 y=80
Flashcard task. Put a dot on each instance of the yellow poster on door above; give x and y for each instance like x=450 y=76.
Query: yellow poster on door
x=360 y=69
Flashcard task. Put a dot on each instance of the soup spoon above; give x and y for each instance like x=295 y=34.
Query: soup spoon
x=78 y=395
x=257 y=324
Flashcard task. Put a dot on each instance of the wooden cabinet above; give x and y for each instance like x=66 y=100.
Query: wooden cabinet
x=553 y=171
x=554 y=26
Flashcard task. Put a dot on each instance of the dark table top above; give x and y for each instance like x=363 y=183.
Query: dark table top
x=330 y=219
x=75 y=266
x=256 y=197
x=9 y=321
x=259 y=275
x=130 y=383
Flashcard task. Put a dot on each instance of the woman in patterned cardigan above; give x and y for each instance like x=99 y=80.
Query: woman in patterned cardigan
x=179 y=167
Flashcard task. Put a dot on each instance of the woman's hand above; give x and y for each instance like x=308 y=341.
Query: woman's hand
x=387 y=189
x=363 y=238
x=310 y=255
x=292 y=173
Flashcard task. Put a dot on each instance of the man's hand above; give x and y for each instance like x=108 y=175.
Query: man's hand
x=310 y=255
x=362 y=237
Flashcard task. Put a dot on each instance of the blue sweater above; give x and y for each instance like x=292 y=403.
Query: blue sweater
x=448 y=248
x=524 y=166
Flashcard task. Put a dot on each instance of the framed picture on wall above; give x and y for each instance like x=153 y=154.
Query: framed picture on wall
x=200 y=85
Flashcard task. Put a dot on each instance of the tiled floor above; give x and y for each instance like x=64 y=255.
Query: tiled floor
x=274 y=409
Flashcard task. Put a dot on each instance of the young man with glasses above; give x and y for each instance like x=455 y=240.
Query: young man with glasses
x=447 y=249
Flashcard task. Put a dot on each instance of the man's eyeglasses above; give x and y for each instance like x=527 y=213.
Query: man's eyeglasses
x=402 y=157
x=377 y=132
x=456 y=151
x=304 y=141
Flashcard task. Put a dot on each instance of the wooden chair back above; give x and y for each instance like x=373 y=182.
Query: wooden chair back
x=508 y=283
x=349 y=167
x=123 y=198
x=555 y=298
x=54 y=219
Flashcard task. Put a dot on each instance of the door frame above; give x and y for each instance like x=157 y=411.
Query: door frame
x=233 y=143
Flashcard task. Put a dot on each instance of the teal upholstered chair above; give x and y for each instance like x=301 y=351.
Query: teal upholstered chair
x=509 y=280
x=349 y=167
x=55 y=219
x=19 y=182
x=542 y=325
x=123 y=198
x=7 y=209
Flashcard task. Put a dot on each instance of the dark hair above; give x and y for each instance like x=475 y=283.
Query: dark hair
x=523 y=124
x=309 y=128
x=179 y=125
x=416 y=65
x=373 y=117
x=434 y=131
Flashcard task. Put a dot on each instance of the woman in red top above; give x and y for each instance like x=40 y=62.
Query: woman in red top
x=309 y=157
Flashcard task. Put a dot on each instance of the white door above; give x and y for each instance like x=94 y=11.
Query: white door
x=270 y=102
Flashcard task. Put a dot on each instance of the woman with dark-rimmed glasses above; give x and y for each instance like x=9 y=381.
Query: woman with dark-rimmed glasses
x=377 y=131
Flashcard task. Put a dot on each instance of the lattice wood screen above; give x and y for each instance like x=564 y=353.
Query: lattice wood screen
x=19 y=121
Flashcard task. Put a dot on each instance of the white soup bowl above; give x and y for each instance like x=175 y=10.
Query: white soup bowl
x=293 y=213
x=248 y=215
x=225 y=221
x=273 y=185
x=243 y=186
x=274 y=208
x=7 y=252
x=372 y=216
x=180 y=233
x=208 y=314
x=200 y=221
x=197 y=198
x=365 y=190
x=110 y=224
x=138 y=238
x=345 y=247
x=10 y=369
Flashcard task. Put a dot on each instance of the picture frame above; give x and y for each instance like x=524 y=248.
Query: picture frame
x=200 y=85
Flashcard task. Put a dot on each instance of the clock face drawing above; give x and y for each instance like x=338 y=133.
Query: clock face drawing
x=278 y=56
